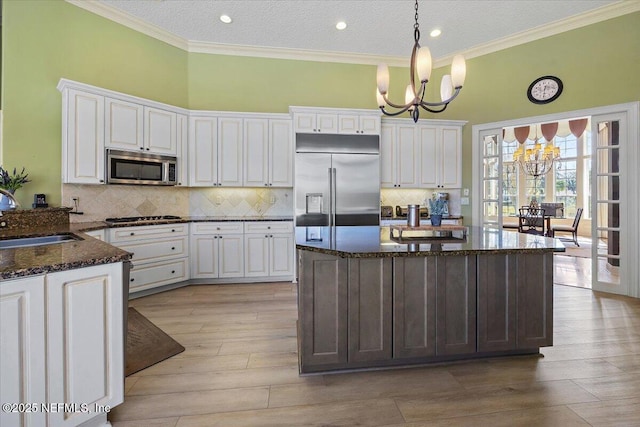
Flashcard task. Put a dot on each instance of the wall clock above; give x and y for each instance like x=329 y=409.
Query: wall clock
x=544 y=90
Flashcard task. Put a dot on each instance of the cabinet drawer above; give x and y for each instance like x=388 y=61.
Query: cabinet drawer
x=268 y=227
x=96 y=234
x=216 y=228
x=158 y=274
x=156 y=250
x=128 y=234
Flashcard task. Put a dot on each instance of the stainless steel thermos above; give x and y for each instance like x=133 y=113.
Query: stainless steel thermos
x=413 y=215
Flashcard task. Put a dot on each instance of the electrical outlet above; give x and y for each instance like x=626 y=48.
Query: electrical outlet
x=464 y=201
x=272 y=200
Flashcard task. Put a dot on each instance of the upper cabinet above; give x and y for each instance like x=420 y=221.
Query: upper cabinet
x=215 y=150
x=82 y=137
x=423 y=155
x=268 y=152
x=335 y=121
x=134 y=127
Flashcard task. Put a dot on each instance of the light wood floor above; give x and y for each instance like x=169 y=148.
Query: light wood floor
x=240 y=369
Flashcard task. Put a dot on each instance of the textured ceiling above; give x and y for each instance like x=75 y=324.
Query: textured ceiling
x=375 y=27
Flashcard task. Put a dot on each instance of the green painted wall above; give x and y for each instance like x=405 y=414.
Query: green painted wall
x=44 y=41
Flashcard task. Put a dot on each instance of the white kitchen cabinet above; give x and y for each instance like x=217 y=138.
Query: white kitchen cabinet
x=96 y=234
x=182 y=149
x=85 y=362
x=310 y=122
x=22 y=349
x=160 y=131
x=441 y=159
x=359 y=124
x=268 y=153
x=399 y=156
x=82 y=137
x=217 y=250
x=215 y=151
x=268 y=249
x=124 y=125
x=423 y=155
x=160 y=253
x=62 y=339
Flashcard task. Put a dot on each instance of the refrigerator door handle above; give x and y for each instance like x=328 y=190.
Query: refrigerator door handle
x=334 y=200
x=331 y=207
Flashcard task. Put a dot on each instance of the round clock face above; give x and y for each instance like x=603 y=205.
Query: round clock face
x=544 y=90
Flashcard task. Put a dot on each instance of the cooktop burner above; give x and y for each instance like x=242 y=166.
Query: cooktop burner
x=136 y=219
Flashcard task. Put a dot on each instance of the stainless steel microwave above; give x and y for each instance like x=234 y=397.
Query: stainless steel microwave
x=130 y=167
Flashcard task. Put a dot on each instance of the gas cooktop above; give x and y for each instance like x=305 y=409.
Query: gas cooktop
x=141 y=219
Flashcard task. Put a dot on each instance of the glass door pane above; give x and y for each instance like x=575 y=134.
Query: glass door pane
x=491 y=183
x=607 y=216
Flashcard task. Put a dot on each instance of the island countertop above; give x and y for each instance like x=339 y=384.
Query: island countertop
x=376 y=241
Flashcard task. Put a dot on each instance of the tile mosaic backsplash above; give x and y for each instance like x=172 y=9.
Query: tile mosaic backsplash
x=98 y=202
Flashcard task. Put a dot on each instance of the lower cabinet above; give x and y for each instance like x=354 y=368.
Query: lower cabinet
x=268 y=249
x=367 y=312
x=160 y=253
x=82 y=361
x=217 y=250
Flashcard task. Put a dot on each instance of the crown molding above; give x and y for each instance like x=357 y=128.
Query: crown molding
x=604 y=13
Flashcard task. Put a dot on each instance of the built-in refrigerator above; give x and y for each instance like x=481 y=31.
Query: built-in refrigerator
x=337 y=180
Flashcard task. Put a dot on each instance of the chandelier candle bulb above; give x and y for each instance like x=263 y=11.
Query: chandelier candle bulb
x=383 y=78
x=458 y=71
x=424 y=64
x=445 y=87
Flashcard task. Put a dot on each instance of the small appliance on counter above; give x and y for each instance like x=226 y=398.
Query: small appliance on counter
x=403 y=212
x=39 y=201
x=386 y=211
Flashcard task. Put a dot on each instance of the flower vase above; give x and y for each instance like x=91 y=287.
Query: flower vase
x=7 y=203
x=436 y=220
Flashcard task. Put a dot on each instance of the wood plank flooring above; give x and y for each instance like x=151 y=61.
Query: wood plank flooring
x=240 y=369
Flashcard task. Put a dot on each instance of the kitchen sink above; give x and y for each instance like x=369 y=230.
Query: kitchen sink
x=21 y=242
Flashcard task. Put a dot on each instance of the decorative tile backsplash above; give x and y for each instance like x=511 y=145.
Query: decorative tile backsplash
x=103 y=201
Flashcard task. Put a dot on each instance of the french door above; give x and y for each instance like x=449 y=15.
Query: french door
x=491 y=180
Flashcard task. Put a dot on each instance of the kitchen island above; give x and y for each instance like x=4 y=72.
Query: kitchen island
x=367 y=301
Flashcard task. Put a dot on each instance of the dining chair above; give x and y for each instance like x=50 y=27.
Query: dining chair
x=531 y=220
x=573 y=228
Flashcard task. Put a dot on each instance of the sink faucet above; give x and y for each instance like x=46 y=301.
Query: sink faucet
x=10 y=196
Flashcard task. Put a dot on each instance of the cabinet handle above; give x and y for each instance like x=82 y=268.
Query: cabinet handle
x=133 y=234
x=173 y=272
x=173 y=248
x=173 y=230
x=147 y=149
x=141 y=148
x=269 y=228
x=270 y=184
x=266 y=236
x=102 y=180
x=265 y=184
x=132 y=279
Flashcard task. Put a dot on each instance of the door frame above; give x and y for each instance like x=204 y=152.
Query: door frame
x=630 y=199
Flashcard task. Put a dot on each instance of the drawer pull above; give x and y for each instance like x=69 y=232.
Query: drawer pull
x=132 y=279
x=173 y=272
x=173 y=231
x=133 y=234
x=173 y=248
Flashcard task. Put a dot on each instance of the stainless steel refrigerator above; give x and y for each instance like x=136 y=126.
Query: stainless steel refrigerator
x=337 y=180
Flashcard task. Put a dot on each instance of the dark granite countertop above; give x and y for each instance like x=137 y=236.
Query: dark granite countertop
x=34 y=260
x=375 y=242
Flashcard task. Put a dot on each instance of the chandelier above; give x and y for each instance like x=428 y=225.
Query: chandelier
x=536 y=161
x=414 y=94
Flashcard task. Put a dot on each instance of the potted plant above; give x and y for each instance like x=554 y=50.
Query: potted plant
x=436 y=210
x=11 y=182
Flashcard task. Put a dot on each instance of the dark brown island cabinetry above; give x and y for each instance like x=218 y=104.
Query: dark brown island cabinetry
x=369 y=312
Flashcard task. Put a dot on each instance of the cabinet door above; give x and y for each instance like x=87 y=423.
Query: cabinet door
x=280 y=153
x=429 y=161
x=256 y=152
x=388 y=156
x=160 y=131
x=322 y=310
x=203 y=151
x=535 y=300
x=348 y=124
x=85 y=340
x=370 y=307
x=281 y=255
x=456 y=305
x=204 y=256
x=414 y=316
x=305 y=122
x=124 y=125
x=22 y=351
x=450 y=156
x=408 y=155
x=182 y=149
x=83 y=138
x=496 y=302
x=230 y=152
x=256 y=255
x=327 y=123
x=231 y=257
x=370 y=125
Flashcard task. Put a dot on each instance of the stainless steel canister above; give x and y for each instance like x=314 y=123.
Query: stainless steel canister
x=413 y=215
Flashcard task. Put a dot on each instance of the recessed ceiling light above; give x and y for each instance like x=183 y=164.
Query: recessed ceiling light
x=226 y=19
x=341 y=25
x=435 y=33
